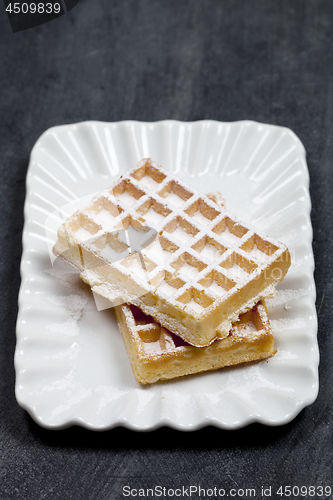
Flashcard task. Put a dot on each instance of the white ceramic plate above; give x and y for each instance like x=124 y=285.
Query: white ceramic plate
x=71 y=365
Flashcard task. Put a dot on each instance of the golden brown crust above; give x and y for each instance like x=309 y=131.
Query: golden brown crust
x=157 y=354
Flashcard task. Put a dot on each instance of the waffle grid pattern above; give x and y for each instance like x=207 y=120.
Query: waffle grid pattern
x=201 y=255
x=155 y=339
x=156 y=353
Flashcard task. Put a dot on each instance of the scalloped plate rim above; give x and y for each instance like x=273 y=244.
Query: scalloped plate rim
x=166 y=421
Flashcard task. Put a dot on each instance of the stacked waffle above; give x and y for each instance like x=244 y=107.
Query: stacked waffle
x=188 y=299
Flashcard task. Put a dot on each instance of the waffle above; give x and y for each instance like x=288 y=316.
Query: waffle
x=202 y=269
x=157 y=354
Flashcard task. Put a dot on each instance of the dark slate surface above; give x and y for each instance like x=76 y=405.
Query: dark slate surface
x=149 y=60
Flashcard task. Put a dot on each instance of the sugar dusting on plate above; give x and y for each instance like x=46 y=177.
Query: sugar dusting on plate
x=284 y=296
x=73 y=304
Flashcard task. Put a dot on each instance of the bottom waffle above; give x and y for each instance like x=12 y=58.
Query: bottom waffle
x=157 y=354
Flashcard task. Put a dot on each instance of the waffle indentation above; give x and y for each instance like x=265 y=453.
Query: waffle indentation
x=106 y=211
x=148 y=175
x=84 y=228
x=149 y=334
x=161 y=249
x=217 y=283
x=181 y=229
x=138 y=267
x=238 y=266
x=153 y=211
x=140 y=318
x=258 y=248
x=209 y=248
x=175 y=194
x=127 y=193
x=187 y=265
x=230 y=230
x=196 y=299
x=202 y=212
x=170 y=284
x=111 y=247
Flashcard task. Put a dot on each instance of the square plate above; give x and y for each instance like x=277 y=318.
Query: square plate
x=71 y=365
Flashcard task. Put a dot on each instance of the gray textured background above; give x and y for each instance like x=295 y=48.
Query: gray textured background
x=270 y=61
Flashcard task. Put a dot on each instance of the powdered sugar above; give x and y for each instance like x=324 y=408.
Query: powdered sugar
x=181 y=235
x=174 y=199
x=106 y=217
x=244 y=329
x=282 y=324
x=198 y=308
x=210 y=252
x=156 y=251
x=152 y=347
x=258 y=254
x=238 y=272
x=72 y=304
x=199 y=217
x=250 y=379
x=216 y=289
x=284 y=296
x=152 y=216
x=82 y=234
x=188 y=270
x=166 y=288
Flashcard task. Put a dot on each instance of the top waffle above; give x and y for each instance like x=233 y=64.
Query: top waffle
x=200 y=271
